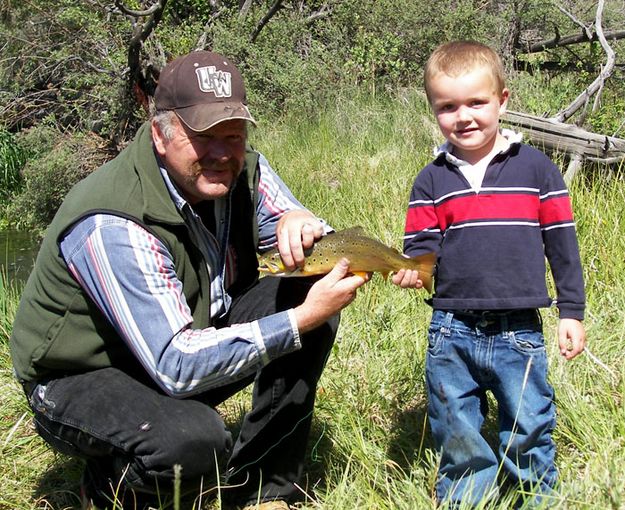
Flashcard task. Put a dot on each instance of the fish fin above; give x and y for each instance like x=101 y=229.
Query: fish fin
x=352 y=230
x=426 y=264
x=362 y=274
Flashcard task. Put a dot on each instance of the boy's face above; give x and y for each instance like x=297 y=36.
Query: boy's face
x=467 y=109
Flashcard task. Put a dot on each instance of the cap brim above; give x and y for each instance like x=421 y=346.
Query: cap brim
x=205 y=116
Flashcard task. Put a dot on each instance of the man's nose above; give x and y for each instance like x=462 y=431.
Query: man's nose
x=216 y=150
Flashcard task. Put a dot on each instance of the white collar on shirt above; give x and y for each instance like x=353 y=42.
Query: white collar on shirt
x=474 y=174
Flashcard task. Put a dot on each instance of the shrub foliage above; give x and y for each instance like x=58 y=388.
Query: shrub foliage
x=66 y=64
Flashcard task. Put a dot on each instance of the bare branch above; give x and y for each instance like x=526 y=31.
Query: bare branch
x=586 y=29
x=324 y=12
x=203 y=39
x=245 y=7
x=97 y=4
x=568 y=40
x=575 y=165
x=606 y=161
x=597 y=85
x=140 y=82
x=275 y=7
x=137 y=14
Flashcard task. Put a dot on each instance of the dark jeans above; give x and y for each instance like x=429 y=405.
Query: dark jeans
x=129 y=430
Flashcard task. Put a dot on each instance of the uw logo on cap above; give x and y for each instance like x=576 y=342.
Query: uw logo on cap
x=211 y=80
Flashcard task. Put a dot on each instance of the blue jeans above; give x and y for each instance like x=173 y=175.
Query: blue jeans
x=470 y=353
x=127 y=429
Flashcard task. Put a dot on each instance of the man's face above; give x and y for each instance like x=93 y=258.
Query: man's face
x=467 y=109
x=204 y=165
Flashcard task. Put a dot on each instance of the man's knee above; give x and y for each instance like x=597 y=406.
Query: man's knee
x=199 y=443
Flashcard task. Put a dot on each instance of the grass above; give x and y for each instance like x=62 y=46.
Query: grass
x=370 y=446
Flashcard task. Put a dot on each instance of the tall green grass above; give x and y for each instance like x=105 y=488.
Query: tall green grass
x=12 y=159
x=370 y=447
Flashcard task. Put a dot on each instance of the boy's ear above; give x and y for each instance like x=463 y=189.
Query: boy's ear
x=503 y=100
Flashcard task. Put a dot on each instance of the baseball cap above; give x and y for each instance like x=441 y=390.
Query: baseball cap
x=204 y=89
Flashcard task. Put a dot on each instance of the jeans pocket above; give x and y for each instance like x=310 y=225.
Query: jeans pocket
x=527 y=341
x=435 y=339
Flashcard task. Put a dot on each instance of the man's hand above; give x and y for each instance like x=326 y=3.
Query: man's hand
x=571 y=337
x=328 y=296
x=407 y=279
x=296 y=231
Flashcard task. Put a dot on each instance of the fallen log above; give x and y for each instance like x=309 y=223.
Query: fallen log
x=577 y=143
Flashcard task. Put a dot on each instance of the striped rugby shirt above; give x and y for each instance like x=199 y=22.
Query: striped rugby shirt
x=131 y=276
x=492 y=241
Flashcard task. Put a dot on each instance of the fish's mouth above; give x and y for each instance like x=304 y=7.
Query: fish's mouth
x=271 y=268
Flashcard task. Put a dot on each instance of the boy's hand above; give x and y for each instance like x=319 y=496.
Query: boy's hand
x=407 y=279
x=571 y=337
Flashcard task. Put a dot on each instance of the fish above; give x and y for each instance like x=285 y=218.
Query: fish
x=365 y=255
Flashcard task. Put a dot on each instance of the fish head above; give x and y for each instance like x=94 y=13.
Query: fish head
x=271 y=263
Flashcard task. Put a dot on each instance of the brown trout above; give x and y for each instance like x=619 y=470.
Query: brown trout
x=364 y=253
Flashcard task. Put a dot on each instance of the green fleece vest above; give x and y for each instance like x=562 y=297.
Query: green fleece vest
x=58 y=330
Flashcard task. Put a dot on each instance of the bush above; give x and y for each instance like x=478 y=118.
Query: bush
x=58 y=160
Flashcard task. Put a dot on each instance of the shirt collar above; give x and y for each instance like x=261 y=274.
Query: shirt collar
x=446 y=148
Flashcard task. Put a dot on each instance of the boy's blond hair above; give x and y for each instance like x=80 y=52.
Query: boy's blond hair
x=460 y=57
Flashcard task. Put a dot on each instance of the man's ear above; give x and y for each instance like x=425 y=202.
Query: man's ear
x=158 y=138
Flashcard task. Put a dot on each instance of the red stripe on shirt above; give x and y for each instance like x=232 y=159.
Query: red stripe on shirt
x=421 y=218
x=269 y=201
x=486 y=206
x=556 y=210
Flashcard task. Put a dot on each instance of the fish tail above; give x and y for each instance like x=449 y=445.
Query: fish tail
x=427 y=281
x=425 y=265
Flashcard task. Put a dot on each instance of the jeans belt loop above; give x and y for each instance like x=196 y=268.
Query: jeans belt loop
x=446 y=327
x=505 y=323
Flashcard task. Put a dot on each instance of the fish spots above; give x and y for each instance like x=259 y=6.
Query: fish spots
x=365 y=255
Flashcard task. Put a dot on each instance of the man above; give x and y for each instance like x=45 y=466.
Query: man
x=145 y=311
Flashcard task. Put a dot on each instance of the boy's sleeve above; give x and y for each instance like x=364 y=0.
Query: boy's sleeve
x=422 y=233
x=561 y=246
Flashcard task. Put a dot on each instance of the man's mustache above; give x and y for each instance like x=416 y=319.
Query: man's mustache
x=197 y=168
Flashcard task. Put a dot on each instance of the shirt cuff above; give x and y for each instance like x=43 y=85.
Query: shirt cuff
x=279 y=333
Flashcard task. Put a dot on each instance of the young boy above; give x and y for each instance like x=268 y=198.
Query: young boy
x=492 y=208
